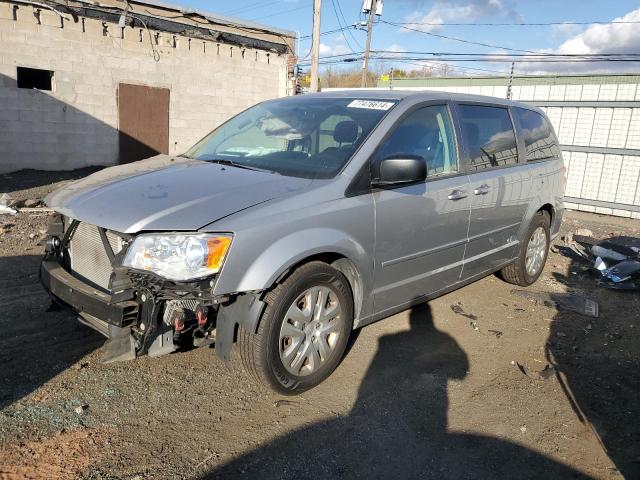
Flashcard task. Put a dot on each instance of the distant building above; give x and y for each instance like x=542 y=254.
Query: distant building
x=87 y=83
x=597 y=119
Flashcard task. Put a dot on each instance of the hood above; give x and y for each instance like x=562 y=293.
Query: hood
x=167 y=193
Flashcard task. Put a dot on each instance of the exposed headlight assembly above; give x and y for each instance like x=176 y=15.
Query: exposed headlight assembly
x=178 y=257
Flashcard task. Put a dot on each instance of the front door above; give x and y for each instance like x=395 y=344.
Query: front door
x=143 y=121
x=500 y=187
x=421 y=229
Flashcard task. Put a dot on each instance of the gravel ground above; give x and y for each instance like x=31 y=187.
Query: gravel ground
x=429 y=393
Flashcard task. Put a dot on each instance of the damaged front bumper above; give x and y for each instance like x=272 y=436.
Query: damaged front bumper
x=138 y=320
x=85 y=299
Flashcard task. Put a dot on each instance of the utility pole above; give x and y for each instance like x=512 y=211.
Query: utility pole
x=315 y=46
x=365 y=62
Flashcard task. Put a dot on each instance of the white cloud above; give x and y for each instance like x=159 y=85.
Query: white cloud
x=597 y=39
x=392 y=51
x=459 y=11
x=327 y=50
x=565 y=30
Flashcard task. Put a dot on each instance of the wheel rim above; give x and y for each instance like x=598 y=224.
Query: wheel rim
x=310 y=331
x=536 y=250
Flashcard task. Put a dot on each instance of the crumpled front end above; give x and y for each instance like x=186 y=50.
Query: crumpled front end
x=138 y=311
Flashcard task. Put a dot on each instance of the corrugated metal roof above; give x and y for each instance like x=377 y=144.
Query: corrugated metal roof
x=214 y=17
x=517 y=80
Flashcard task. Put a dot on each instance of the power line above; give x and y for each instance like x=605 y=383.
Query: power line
x=328 y=32
x=462 y=40
x=350 y=32
x=279 y=13
x=335 y=59
x=521 y=24
x=488 y=57
x=335 y=11
x=251 y=6
x=509 y=56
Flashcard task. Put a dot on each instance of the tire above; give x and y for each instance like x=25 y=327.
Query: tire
x=266 y=353
x=517 y=272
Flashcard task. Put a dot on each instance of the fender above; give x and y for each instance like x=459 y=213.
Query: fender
x=289 y=250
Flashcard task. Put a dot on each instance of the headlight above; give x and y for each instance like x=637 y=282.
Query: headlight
x=178 y=256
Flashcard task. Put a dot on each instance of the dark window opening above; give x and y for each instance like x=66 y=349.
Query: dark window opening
x=34 y=78
x=488 y=136
x=539 y=140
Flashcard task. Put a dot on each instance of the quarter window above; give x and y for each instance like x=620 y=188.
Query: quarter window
x=539 y=139
x=427 y=133
x=488 y=136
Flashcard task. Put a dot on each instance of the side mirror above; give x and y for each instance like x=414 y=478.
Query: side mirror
x=399 y=169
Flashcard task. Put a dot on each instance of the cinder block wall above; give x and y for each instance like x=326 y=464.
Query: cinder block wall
x=76 y=124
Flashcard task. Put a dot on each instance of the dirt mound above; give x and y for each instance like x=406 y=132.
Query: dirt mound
x=66 y=454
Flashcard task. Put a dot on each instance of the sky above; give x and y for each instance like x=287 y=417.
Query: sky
x=408 y=26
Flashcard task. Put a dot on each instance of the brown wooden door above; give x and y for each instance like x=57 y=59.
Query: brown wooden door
x=144 y=121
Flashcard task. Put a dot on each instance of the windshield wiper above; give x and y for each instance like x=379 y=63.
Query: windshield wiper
x=231 y=163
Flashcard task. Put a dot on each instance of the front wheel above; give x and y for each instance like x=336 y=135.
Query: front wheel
x=303 y=331
x=533 y=253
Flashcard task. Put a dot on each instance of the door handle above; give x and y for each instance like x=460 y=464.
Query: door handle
x=457 y=195
x=482 y=190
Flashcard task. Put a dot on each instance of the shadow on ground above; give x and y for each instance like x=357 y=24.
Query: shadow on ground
x=598 y=365
x=28 y=178
x=398 y=426
x=35 y=344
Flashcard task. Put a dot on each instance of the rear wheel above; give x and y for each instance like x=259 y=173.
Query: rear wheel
x=303 y=331
x=533 y=253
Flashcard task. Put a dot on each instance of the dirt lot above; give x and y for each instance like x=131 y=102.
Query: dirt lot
x=429 y=393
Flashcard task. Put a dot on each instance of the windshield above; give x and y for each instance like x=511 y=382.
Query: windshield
x=300 y=137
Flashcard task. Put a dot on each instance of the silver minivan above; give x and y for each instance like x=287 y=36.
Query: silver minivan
x=304 y=218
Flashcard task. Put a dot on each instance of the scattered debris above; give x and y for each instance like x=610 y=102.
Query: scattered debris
x=30 y=203
x=584 y=232
x=80 y=409
x=616 y=259
x=36 y=210
x=547 y=372
x=523 y=429
x=473 y=319
x=457 y=308
x=5 y=205
x=561 y=301
x=497 y=333
x=280 y=403
x=80 y=366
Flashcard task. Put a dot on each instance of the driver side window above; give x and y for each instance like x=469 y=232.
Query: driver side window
x=428 y=133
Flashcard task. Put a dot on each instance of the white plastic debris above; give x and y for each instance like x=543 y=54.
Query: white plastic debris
x=7 y=210
x=5 y=202
x=599 y=264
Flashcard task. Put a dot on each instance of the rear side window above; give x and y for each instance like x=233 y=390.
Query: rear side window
x=488 y=136
x=539 y=140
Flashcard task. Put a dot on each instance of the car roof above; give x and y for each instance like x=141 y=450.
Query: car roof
x=424 y=95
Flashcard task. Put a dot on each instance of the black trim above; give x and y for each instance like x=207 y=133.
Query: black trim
x=361 y=183
x=107 y=246
x=83 y=298
x=467 y=158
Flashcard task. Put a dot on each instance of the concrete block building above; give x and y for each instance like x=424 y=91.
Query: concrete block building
x=86 y=83
x=597 y=119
